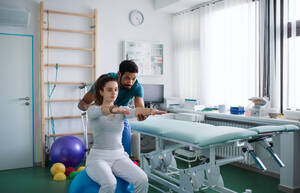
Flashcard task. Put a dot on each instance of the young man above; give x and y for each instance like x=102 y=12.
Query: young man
x=129 y=88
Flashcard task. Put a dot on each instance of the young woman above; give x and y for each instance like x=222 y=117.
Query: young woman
x=107 y=157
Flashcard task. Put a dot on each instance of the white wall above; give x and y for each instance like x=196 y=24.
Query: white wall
x=113 y=28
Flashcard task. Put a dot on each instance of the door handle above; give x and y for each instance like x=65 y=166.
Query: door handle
x=25 y=98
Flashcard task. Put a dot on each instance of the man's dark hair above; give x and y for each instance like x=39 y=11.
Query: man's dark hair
x=128 y=66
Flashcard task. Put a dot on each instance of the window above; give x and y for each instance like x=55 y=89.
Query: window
x=293 y=50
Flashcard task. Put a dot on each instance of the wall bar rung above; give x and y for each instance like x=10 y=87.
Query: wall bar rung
x=68 y=13
x=65 y=117
x=59 y=82
x=68 y=31
x=61 y=100
x=71 y=65
x=69 y=48
x=67 y=134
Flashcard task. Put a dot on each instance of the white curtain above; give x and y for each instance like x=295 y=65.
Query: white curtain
x=216 y=58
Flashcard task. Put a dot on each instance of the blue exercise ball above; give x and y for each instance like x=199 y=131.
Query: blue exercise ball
x=68 y=150
x=82 y=183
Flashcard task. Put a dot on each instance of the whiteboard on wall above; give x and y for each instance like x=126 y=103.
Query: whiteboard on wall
x=147 y=55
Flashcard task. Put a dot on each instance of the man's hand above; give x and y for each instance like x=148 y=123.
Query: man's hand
x=142 y=117
x=139 y=103
x=85 y=102
x=83 y=106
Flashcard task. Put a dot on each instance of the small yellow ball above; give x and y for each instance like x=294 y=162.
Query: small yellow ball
x=57 y=167
x=80 y=168
x=59 y=177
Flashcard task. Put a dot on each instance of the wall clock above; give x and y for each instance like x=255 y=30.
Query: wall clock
x=136 y=17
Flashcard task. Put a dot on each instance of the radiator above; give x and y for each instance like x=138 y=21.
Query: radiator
x=233 y=151
x=230 y=150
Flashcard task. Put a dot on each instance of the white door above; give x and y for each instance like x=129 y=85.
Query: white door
x=16 y=109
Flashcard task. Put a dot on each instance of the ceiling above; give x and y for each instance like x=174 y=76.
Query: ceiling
x=174 y=6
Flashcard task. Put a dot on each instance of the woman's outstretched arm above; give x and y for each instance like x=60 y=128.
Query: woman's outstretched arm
x=106 y=110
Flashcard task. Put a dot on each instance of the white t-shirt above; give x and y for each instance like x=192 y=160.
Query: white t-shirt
x=107 y=130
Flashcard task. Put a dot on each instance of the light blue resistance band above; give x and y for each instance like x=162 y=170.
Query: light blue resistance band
x=49 y=105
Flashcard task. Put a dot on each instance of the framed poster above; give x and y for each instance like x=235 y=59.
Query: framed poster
x=147 y=55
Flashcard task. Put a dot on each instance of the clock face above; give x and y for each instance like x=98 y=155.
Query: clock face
x=136 y=17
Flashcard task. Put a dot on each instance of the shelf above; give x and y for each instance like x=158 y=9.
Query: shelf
x=71 y=65
x=65 y=117
x=239 y=118
x=69 y=48
x=68 y=31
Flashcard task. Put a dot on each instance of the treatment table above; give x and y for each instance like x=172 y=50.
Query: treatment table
x=160 y=165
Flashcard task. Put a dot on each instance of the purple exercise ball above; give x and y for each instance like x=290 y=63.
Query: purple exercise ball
x=68 y=150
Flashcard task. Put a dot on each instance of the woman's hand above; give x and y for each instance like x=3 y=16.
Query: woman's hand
x=157 y=112
x=143 y=113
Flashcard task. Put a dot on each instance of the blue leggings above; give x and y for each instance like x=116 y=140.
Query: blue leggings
x=126 y=137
